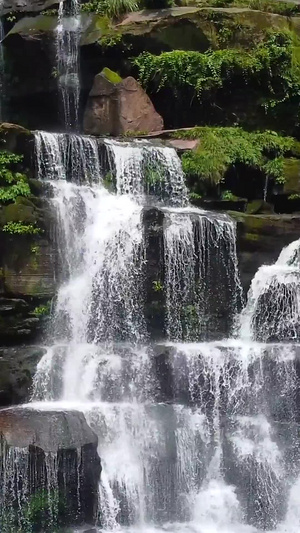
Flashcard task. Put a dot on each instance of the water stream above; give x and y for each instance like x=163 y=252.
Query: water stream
x=194 y=437
x=67 y=60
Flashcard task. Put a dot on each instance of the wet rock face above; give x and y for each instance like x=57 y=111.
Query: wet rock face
x=50 y=431
x=29 y=6
x=260 y=239
x=17 y=367
x=54 y=456
x=116 y=106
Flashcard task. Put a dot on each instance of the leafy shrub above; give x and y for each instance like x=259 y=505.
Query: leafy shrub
x=12 y=184
x=42 y=310
x=221 y=148
x=111 y=8
x=269 y=74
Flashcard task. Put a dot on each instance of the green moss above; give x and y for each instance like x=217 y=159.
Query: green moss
x=268 y=6
x=111 y=76
x=251 y=237
x=291 y=170
x=16 y=212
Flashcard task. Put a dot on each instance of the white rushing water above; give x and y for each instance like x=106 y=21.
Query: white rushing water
x=67 y=52
x=194 y=437
x=201 y=269
x=273 y=307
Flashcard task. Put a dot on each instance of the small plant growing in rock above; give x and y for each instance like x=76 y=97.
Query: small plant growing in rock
x=111 y=8
x=157 y=286
x=18 y=228
x=42 y=310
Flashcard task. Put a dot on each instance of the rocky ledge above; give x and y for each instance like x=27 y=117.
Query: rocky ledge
x=54 y=453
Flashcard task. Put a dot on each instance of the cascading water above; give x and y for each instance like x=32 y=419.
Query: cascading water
x=194 y=437
x=202 y=285
x=273 y=308
x=67 y=48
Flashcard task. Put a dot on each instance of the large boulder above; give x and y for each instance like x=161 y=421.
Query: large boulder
x=53 y=454
x=116 y=106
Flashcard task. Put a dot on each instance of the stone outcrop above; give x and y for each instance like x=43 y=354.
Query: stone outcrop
x=50 y=431
x=26 y=6
x=116 y=106
x=54 y=454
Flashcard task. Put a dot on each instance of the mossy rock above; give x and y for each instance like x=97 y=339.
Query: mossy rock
x=258 y=207
x=18 y=212
x=11 y=134
x=33 y=26
x=183 y=28
x=291 y=169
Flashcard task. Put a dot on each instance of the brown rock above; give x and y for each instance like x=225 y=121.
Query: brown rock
x=183 y=144
x=116 y=106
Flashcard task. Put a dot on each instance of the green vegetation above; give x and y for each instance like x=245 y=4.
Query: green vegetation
x=229 y=197
x=153 y=173
x=269 y=6
x=294 y=197
x=111 y=8
x=157 y=286
x=18 y=228
x=110 y=40
x=42 y=310
x=267 y=77
x=12 y=183
x=116 y=8
x=50 y=12
x=223 y=148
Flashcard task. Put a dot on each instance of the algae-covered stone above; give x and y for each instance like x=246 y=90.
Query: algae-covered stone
x=18 y=212
x=291 y=171
x=258 y=207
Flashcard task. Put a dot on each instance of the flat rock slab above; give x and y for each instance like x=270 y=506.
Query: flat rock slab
x=50 y=431
x=183 y=144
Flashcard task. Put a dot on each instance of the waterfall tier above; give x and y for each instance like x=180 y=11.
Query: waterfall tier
x=193 y=436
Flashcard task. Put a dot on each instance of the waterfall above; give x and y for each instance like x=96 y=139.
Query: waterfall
x=273 y=307
x=197 y=432
x=200 y=268
x=67 y=48
x=141 y=168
